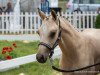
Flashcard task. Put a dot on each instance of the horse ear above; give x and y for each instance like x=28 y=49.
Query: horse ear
x=53 y=13
x=41 y=14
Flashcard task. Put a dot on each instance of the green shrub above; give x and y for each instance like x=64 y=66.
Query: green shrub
x=97 y=23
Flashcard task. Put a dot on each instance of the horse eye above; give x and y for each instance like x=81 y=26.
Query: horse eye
x=52 y=34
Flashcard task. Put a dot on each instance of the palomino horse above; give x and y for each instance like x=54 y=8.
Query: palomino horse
x=79 y=49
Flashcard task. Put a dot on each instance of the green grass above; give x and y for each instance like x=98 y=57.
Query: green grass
x=33 y=69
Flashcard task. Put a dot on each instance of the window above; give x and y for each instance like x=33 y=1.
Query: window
x=81 y=1
x=76 y=1
x=91 y=1
x=86 y=1
x=95 y=1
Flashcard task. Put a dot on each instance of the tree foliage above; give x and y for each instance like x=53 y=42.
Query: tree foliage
x=97 y=23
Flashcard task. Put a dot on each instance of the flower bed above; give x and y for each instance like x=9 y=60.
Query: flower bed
x=15 y=49
x=7 y=52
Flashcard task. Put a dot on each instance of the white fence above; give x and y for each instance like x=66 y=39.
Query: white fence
x=30 y=22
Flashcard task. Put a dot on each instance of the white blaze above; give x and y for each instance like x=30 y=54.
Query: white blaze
x=45 y=31
x=44 y=28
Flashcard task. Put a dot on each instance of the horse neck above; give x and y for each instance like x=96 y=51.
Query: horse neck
x=69 y=36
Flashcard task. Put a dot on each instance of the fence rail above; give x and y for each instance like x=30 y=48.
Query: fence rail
x=28 y=23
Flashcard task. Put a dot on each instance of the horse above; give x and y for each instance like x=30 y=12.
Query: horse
x=79 y=48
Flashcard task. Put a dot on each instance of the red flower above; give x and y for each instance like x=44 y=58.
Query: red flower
x=8 y=57
x=14 y=44
x=10 y=49
x=3 y=51
x=5 y=48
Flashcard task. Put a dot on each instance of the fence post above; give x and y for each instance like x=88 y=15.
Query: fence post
x=84 y=14
x=75 y=19
x=35 y=22
x=31 y=24
x=26 y=22
x=39 y=21
x=21 y=22
x=3 y=22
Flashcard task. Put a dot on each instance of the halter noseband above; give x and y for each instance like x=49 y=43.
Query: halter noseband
x=55 y=44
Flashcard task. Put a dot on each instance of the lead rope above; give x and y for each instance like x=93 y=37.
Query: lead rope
x=73 y=70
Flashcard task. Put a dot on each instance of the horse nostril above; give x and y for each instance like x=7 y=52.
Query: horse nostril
x=40 y=58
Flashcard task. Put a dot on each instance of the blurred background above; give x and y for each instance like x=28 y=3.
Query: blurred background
x=31 y=5
x=57 y=5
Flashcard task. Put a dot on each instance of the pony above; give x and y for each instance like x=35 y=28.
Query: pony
x=79 y=48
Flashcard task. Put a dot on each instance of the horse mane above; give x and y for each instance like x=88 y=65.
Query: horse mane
x=68 y=23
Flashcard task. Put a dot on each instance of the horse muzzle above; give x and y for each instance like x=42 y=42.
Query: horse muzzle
x=41 y=58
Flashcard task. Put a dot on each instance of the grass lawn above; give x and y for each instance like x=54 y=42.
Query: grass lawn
x=26 y=48
x=33 y=69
